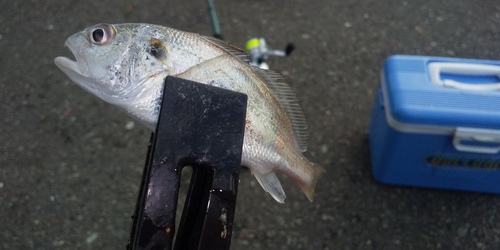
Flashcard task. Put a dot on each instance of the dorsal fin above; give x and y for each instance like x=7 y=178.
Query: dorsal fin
x=289 y=101
x=234 y=51
x=281 y=90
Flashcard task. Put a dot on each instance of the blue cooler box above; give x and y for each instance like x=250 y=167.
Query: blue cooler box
x=436 y=123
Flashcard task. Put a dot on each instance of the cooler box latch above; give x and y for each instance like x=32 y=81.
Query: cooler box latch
x=486 y=141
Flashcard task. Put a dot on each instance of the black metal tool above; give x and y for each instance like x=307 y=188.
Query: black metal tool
x=199 y=126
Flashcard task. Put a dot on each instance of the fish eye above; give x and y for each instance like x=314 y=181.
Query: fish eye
x=100 y=34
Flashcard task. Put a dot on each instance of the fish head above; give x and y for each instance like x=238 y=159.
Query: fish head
x=119 y=66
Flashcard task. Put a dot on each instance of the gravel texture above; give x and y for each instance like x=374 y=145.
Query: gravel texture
x=71 y=165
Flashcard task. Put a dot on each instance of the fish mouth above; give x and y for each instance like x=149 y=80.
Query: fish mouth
x=67 y=65
x=77 y=70
x=72 y=67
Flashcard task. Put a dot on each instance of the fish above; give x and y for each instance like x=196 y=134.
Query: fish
x=126 y=65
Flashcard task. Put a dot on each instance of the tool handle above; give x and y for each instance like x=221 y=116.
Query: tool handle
x=435 y=69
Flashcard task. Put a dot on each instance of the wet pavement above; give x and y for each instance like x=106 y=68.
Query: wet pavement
x=71 y=165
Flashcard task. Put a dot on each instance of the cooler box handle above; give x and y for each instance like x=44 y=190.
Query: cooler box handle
x=486 y=141
x=465 y=69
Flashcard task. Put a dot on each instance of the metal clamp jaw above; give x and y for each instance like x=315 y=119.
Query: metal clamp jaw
x=199 y=126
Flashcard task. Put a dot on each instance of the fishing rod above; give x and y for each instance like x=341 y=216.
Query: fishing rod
x=259 y=52
x=256 y=47
x=214 y=20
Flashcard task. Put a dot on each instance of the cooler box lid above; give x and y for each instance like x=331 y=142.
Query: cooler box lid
x=444 y=96
x=425 y=94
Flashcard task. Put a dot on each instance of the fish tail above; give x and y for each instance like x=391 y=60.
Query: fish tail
x=308 y=189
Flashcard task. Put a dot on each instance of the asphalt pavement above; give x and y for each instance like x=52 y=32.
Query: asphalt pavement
x=71 y=164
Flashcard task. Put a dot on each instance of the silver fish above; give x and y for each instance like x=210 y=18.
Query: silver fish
x=126 y=64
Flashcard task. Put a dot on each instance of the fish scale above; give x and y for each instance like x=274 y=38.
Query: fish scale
x=276 y=128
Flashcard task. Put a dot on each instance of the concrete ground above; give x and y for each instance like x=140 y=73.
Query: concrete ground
x=71 y=165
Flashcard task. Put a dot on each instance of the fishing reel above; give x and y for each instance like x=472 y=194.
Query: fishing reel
x=259 y=52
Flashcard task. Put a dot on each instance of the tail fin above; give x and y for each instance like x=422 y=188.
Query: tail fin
x=309 y=189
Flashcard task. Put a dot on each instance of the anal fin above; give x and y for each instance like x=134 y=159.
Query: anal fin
x=271 y=184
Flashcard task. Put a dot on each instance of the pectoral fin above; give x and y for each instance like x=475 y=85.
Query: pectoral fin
x=271 y=184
